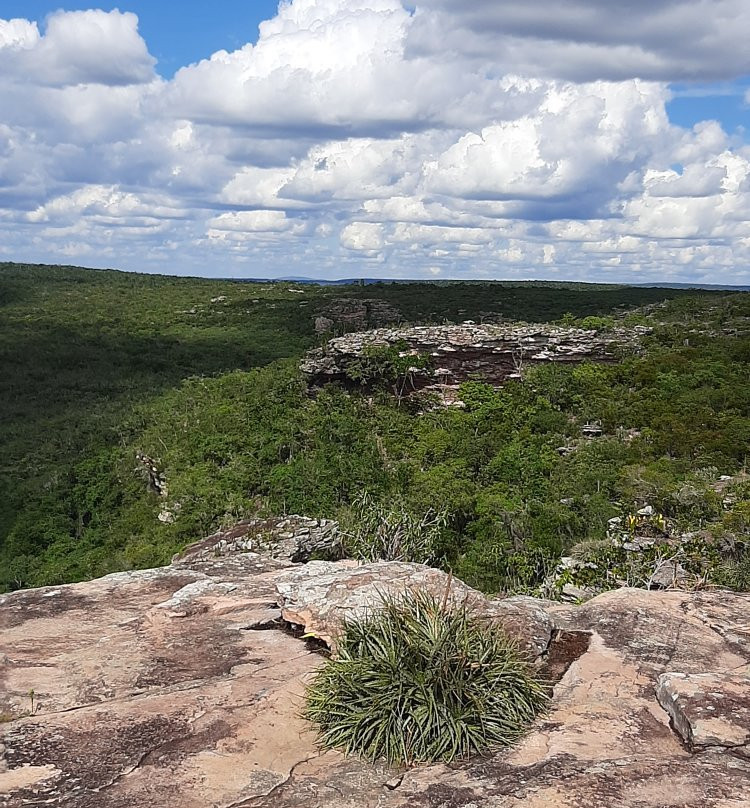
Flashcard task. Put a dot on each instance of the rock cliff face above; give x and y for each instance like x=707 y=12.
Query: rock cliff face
x=456 y=353
x=361 y=313
x=182 y=686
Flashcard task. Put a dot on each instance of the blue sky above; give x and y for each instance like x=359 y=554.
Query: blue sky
x=436 y=138
x=178 y=32
x=724 y=102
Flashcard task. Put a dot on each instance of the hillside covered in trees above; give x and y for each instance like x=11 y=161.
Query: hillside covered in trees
x=140 y=413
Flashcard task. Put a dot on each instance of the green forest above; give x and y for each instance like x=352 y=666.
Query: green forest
x=100 y=368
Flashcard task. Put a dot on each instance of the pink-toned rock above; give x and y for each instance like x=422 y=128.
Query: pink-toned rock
x=527 y=620
x=159 y=688
x=708 y=709
x=321 y=596
x=150 y=688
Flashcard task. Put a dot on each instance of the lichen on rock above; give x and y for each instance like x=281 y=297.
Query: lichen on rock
x=182 y=686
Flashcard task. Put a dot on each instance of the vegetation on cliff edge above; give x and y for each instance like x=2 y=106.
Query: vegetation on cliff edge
x=99 y=368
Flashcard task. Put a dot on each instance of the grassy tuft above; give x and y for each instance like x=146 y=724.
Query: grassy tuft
x=421 y=681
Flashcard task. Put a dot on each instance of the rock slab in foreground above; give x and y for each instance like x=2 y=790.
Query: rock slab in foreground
x=175 y=687
x=321 y=596
x=708 y=709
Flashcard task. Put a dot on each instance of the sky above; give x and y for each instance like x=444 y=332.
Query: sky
x=574 y=139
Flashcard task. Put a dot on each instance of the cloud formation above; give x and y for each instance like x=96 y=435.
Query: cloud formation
x=78 y=47
x=585 y=40
x=359 y=137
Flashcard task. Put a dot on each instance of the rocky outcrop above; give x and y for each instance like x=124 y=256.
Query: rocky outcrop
x=181 y=686
x=345 y=313
x=321 y=596
x=457 y=353
x=291 y=538
x=154 y=476
x=708 y=709
x=642 y=549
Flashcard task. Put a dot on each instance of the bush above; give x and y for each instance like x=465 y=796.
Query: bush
x=421 y=681
x=734 y=573
x=379 y=533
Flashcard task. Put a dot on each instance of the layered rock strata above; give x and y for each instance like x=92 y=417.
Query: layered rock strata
x=457 y=353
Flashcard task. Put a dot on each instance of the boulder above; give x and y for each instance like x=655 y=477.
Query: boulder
x=668 y=574
x=289 y=538
x=708 y=709
x=321 y=596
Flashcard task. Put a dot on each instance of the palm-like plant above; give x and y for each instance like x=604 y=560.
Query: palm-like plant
x=420 y=680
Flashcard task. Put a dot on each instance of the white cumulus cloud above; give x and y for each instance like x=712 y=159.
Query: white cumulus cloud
x=495 y=138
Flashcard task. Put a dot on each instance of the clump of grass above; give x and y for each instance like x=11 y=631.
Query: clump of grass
x=393 y=532
x=734 y=573
x=420 y=680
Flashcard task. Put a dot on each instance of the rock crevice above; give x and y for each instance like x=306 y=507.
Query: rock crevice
x=154 y=691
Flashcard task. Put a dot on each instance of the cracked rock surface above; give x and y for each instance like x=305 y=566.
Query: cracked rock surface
x=708 y=709
x=180 y=687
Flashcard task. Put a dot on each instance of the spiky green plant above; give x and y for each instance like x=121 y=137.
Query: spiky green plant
x=420 y=680
x=376 y=531
x=734 y=573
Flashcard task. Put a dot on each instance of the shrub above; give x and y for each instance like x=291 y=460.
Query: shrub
x=389 y=366
x=734 y=573
x=420 y=681
x=380 y=533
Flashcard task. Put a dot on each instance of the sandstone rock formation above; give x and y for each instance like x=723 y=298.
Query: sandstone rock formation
x=181 y=687
x=359 y=313
x=492 y=353
x=708 y=709
x=321 y=596
x=291 y=538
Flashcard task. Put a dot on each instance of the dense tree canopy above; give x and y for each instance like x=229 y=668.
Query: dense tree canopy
x=100 y=368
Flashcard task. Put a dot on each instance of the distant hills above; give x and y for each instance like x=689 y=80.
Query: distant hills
x=442 y=282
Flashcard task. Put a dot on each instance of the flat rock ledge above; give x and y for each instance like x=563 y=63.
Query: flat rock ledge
x=457 y=353
x=181 y=686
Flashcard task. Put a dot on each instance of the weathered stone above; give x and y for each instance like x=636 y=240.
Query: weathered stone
x=708 y=709
x=493 y=353
x=668 y=574
x=155 y=479
x=289 y=538
x=322 y=595
x=177 y=687
x=323 y=324
x=591 y=430
x=525 y=619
